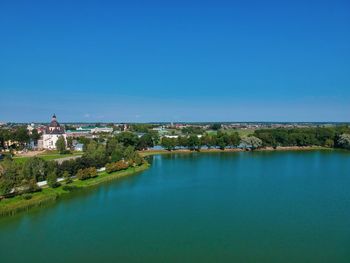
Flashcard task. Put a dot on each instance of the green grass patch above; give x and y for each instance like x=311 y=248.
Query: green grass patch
x=241 y=132
x=52 y=155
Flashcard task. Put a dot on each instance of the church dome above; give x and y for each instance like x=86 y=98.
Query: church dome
x=54 y=127
x=54 y=123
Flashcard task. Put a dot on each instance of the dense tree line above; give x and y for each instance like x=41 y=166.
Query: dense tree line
x=147 y=140
x=18 y=136
x=21 y=178
x=193 y=142
x=142 y=127
x=318 y=136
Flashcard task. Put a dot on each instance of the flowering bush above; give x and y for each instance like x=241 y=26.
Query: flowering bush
x=87 y=173
x=117 y=166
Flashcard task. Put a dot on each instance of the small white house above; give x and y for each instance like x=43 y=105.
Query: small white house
x=102 y=129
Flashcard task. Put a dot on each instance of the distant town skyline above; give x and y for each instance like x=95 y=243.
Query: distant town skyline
x=177 y=61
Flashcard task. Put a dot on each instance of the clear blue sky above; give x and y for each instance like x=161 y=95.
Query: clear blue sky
x=175 y=60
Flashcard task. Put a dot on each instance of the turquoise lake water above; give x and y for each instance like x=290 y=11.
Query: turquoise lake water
x=222 y=207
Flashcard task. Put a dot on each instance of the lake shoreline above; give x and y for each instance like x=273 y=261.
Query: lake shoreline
x=12 y=206
x=15 y=205
x=265 y=149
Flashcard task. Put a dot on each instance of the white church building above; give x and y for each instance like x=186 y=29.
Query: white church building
x=52 y=133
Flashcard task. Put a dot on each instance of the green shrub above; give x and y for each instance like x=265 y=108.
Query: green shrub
x=87 y=173
x=67 y=178
x=117 y=166
x=27 y=196
x=52 y=180
x=69 y=187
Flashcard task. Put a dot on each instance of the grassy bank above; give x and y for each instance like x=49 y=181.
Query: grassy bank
x=53 y=155
x=17 y=204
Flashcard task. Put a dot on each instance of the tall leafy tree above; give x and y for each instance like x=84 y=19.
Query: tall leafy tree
x=344 y=141
x=193 y=142
x=216 y=126
x=35 y=136
x=34 y=168
x=168 y=143
x=9 y=173
x=118 y=153
x=21 y=135
x=52 y=179
x=127 y=139
x=252 y=142
x=61 y=145
x=70 y=142
x=146 y=141
x=67 y=177
x=234 y=139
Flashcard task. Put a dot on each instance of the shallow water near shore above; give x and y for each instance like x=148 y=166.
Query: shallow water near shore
x=200 y=207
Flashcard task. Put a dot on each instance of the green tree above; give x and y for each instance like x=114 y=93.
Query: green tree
x=138 y=159
x=141 y=127
x=6 y=185
x=67 y=177
x=207 y=140
x=96 y=154
x=344 y=141
x=146 y=141
x=155 y=136
x=329 y=143
x=252 y=142
x=28 y=186
x=193 y=142
x=182 y=141
x=21 y=135
x=168 y=143
x=118 y=153
x=61 y=145
x=129 y=153
x=8 y=175
x=127 y=139
x=111 y=145
x=35 y=136
x=222 y=140
x=52 y=179
x=70 y=143
x=34 y=168
x=215 y=126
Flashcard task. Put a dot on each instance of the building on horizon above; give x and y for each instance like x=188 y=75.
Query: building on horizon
x=51 y=134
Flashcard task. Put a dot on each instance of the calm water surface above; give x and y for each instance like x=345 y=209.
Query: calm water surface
x=228 y=207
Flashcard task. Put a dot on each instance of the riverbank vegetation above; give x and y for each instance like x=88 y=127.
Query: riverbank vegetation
x=31 y=180
x=330 y=137
x=317 y=136
x=47 y=195
x=18 y=178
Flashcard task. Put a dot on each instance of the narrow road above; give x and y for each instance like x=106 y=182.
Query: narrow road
x=61 y=160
